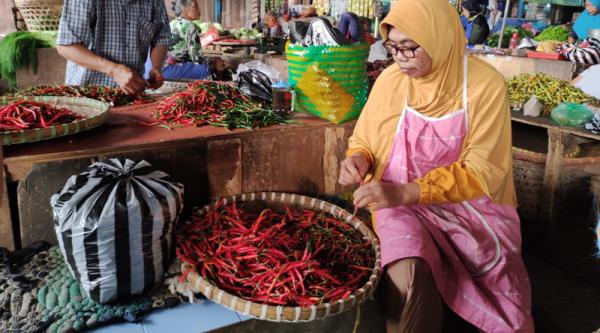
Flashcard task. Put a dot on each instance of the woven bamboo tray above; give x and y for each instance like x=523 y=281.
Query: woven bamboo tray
x=288 y=313
x=94 y=112
x=40 y=15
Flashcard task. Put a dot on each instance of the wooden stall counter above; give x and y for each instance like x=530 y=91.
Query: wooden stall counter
x=302 y=157
x=511 y=66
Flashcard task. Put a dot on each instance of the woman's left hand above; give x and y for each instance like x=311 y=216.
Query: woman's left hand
x=378 y=194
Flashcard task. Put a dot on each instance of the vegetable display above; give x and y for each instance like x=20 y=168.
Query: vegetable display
x=548 y=90
x=276 y=257
x=24 y=115
x=493 y=39
x=204 y=27
x=113 y=96
x=216 y=104
x=245 y=33
x=557 y=33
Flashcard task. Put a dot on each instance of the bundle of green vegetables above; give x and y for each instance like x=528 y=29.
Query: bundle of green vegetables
x=557 y=33
x=494 y=39
x=19 y=50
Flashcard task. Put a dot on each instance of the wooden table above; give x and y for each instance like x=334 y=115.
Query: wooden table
x=559 y=137
x=302 y=157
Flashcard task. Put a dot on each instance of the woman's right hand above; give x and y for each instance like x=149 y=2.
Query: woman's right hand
x=354 y=169
x=127 y=79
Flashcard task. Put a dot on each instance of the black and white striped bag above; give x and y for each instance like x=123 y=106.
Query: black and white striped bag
x=114 y=225
x=584 y=52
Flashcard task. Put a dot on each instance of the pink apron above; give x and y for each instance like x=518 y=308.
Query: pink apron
x=473 y=248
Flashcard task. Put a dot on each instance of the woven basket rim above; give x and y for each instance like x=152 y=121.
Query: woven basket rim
x=93 y=119
x=39 y=2
x=300 y=314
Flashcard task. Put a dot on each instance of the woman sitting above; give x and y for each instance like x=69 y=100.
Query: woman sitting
x=477 y=28
x=589 y=19
x=185 y=60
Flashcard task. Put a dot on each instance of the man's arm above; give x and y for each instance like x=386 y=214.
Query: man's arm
x=158 y=55
x=160 y=44
x=125 y=77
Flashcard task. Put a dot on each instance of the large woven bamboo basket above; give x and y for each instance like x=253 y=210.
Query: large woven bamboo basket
x=286 y=313
x=529 y=168
x=40 y=15
x=528 y=172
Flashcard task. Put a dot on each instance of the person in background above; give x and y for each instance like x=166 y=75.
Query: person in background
x=185 y=59
x=431 y=151
x=351 y=27
x=284 y=22
x=106 y=42
x=355 y=28
x=477 y=29
x=271 y=27
x=588 y=20
x=308 y=12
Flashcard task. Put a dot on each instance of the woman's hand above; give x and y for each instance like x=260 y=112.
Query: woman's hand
x=378 y=194
x=354 y=169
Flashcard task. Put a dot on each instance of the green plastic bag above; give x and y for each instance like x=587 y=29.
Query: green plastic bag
x=571 y=114
x=331 y=82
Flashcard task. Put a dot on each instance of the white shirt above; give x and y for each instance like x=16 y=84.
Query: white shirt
x=589 y=81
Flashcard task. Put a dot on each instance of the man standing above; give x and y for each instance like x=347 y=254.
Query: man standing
x=106 y=42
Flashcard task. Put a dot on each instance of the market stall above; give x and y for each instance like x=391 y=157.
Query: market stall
x=233 y=163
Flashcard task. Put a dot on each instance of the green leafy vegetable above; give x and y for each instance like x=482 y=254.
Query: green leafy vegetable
x=558 y=33
x=19 y=50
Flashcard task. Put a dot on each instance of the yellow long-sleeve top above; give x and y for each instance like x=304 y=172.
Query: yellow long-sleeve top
x=485 y=164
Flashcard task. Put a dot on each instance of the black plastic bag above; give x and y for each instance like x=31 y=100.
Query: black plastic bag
x=256 y=84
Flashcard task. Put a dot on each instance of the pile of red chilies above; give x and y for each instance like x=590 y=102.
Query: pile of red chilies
x=295 y=258
x=114 y=96
x=24 y=115
x=217 y=104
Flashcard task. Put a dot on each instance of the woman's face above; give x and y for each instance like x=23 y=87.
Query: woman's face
x=593 y=10
x=465 y=12
x=191 y=11
x=419 y=64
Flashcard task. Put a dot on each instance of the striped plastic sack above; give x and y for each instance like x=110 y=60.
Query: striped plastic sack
x=584 y=52
x=114 y=225
x=331 y=82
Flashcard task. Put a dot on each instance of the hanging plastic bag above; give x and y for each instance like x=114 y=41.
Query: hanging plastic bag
x=260 y=66
x=583 y=52
x=571 y=114
x=331 y=82
x=114 y=225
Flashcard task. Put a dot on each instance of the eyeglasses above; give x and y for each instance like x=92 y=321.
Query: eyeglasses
x=406 y=52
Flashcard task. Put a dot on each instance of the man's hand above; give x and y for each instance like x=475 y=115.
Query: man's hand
x=378 y=194
x=354 y=169
x=155 y=79
x=127 y=79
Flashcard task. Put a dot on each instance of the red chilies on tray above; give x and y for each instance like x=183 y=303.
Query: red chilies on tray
x=292 y=258
x=24 y=115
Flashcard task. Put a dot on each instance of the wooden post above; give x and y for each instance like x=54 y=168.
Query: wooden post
x=557 y=140
x=6 y=228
